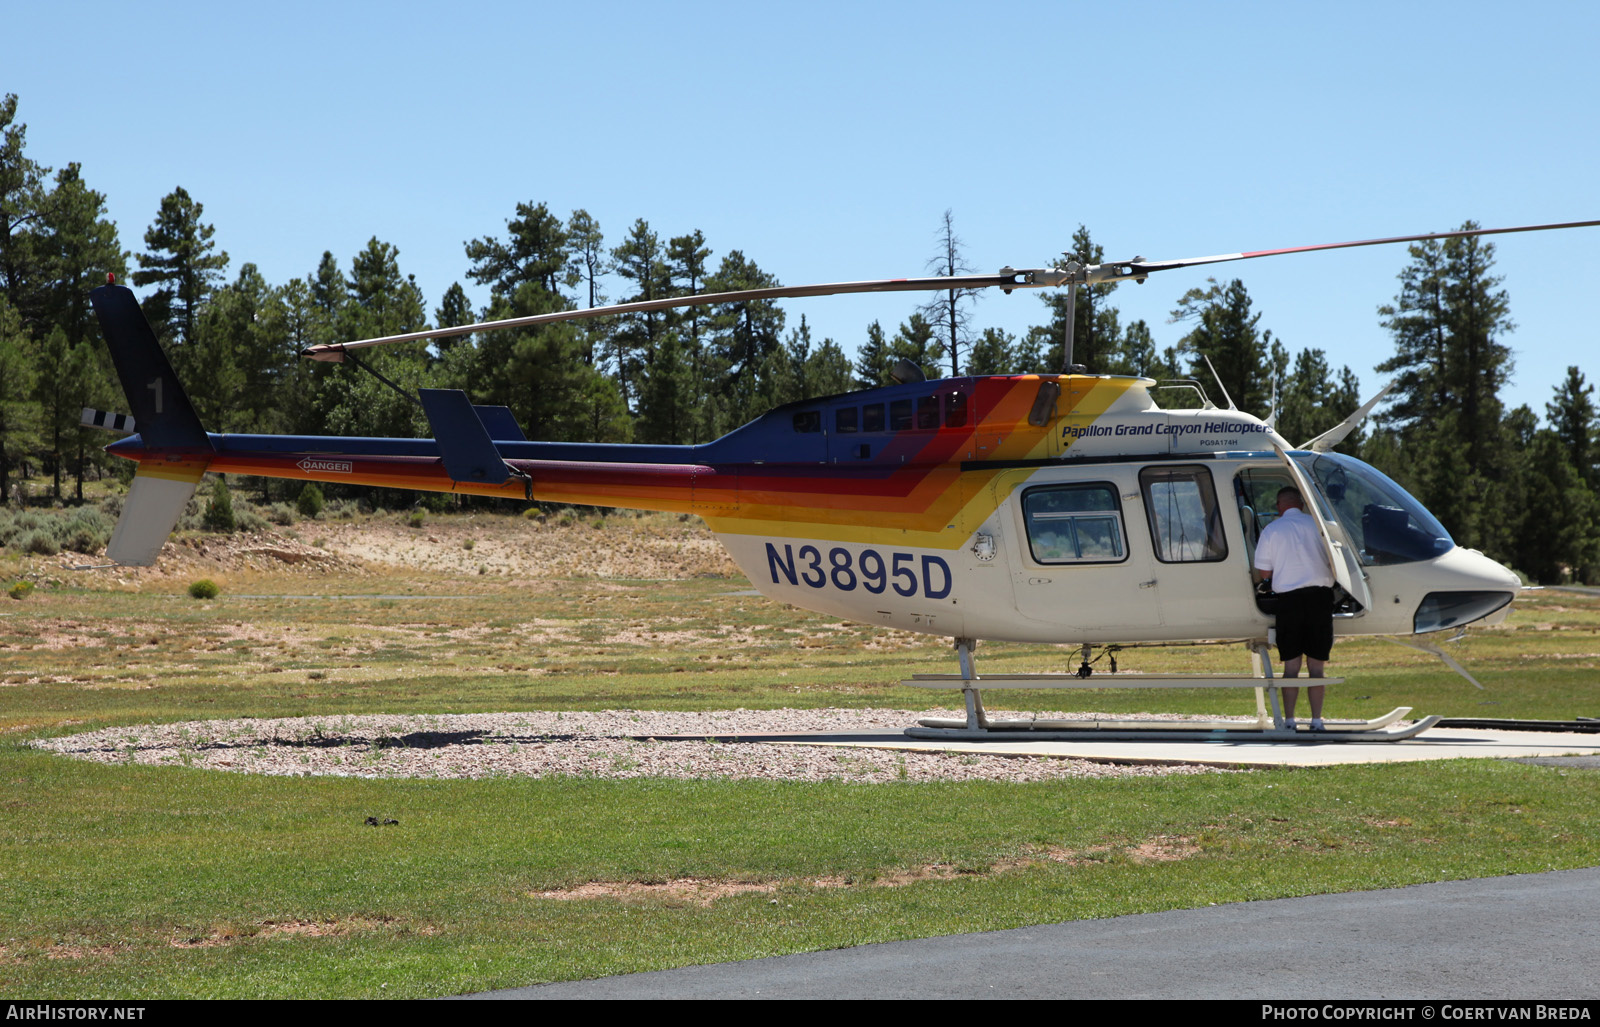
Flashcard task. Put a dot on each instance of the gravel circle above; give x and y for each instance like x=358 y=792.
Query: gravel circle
x=601 y=744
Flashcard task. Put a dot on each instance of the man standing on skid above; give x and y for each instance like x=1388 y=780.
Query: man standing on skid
x=1292 y=558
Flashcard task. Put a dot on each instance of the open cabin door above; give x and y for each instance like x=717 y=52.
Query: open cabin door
x=1346 y=564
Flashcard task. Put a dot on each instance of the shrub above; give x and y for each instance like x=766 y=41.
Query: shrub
x=87 y=530
x=205 y=588
x=20 y=589
x=246 y=519
x=39 y=542
x=219 y=512
x=281 y=514
x=417 y=518
x=310 y=503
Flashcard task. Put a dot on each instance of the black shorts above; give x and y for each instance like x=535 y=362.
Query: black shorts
x=1305 y=623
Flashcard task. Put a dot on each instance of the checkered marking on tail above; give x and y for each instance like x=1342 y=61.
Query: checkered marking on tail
x=93 y=418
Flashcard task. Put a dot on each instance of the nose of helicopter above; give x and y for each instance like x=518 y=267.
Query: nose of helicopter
x=1465 y=586
x=1476 y=571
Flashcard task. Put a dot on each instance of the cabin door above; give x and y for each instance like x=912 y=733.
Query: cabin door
x=1075 y=573
x=1200 y=559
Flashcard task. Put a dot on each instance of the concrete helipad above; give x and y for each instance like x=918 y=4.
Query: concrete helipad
x=1440 y=743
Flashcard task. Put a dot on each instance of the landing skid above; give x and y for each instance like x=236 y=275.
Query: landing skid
x=1164 y=731
x=1268 y=727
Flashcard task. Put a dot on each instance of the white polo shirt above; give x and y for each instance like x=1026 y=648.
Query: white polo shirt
x=1291 y=550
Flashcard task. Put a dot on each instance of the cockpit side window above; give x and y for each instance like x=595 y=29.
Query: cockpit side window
x=1383 y=521
x=1185 y=521
x=1074 y=523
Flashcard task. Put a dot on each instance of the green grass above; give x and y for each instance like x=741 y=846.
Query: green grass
x=164 y=882
x=167 y=882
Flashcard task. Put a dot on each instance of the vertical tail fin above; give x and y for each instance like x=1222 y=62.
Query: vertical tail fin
x=160 y=406
x=175 y=449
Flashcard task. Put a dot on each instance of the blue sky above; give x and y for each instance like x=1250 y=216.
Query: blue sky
x=825 y=140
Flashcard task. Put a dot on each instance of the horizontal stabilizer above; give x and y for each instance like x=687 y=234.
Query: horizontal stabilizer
x=464 y=443
x=501 y=423
x=93 y=418
x=151 y=511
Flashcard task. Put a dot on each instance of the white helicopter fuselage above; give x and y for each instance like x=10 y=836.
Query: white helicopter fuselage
x=1138 y=524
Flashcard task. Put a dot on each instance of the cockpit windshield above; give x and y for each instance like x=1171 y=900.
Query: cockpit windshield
x=1383 y=521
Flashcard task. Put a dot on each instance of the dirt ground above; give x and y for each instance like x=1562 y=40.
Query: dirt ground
x=661 y=547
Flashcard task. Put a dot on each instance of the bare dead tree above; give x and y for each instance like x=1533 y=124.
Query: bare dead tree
x=951 y=310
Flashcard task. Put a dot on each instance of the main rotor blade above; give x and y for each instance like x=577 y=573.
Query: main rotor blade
x=1006 y=280
x=1139 y=267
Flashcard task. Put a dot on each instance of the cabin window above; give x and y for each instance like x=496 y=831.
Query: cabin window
x=955 y=410
x=808 y=421
x=872 y=417
x=1256 y=489
x=899 y=414
x=845 y=420
x=928 y=413
x=1185 y=522
x=1074 y=524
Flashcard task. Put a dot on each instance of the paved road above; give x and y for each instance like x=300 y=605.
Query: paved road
x=1535 y=936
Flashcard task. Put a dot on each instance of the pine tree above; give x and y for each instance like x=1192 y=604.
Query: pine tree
x=743 y=335
x=219 y=509
x=58 y=391
x=1140 y=354
x=379 y=301
x=76 y=247
x=19 y=414
x=1560 y=538
x=641 y=260
x=1446 y=412
x=536 y=250
x=589 y=263
x=22 y=209
x=916 y=342
x=1574 y=421
x=1226 y=331
x=288 y=317
x=667 y=408
x=181 y=263
x=1095 y=331
x=1311 y=402
x=872 y=359
x=540 y=374
x=827 y=370
x=688 y=266
x=993 y=353
x=239 y=357
x=453 y=311
x=588 y=260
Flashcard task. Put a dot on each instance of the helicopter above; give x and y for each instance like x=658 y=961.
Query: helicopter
x=1066 y=508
